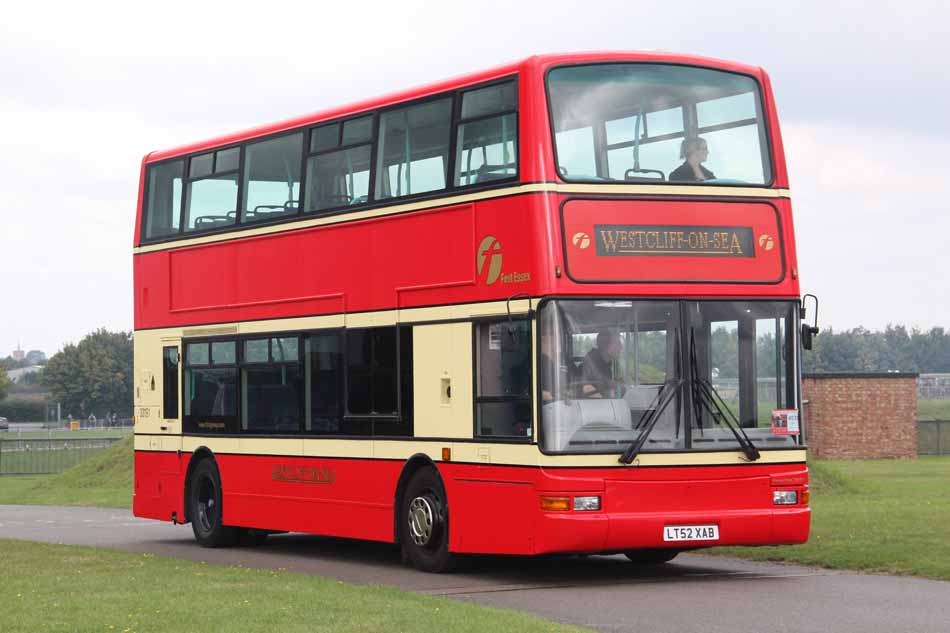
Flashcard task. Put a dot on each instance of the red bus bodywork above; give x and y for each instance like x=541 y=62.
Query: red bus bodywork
x=427 y=257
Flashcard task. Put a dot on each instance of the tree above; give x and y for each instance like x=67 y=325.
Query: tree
x=4 y=383
x=93 y=377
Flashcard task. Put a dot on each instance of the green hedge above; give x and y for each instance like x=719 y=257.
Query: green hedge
x=17 y=410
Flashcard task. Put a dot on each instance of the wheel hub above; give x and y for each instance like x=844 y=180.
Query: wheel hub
x=206 y=505
x=422 y=519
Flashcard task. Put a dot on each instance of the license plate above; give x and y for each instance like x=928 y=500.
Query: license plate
x=691 y=533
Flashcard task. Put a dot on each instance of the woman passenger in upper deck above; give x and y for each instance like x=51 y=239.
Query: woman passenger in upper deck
x=693 y=152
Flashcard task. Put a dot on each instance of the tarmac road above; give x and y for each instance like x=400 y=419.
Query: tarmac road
x=695 y=592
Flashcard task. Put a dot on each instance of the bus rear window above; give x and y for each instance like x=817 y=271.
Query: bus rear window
x=656 y=123
x=163 y=210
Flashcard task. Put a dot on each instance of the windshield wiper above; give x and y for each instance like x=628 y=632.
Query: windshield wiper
x=665 y=397
x=662 y=399
x=706 y=395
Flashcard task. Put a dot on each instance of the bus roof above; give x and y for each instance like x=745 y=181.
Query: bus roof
x=537 y=63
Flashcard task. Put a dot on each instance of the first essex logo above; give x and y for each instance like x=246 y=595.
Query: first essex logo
x=489 y=250
x=489 y=257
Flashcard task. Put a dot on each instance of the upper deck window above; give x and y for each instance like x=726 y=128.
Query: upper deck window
x=163 y=215
x=487 y=138
x=652 y=123
x=272 y=178
x=338 y=170
x=441 y=143
x=211 y=193
x=414 y=149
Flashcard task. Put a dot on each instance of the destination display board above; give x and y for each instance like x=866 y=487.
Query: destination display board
x=669 y=241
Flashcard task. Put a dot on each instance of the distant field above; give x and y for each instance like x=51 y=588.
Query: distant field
x=14 y=434
x=936 y=409
x=887 y=516
x=105 y=479
x=69 y=588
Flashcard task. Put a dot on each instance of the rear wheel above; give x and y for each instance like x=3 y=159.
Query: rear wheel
x=205 y=507
x=651 y=556
x=424 y=523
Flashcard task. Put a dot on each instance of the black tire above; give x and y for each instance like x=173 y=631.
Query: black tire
x=205 y=507
x=651 y=556
x=424 y=523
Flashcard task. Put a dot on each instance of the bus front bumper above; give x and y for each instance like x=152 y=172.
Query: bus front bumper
x=589 y=532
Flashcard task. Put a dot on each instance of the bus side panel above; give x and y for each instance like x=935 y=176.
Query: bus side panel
x=377 y=266
x=492 y=509
x=159 y=485
x=349 y=498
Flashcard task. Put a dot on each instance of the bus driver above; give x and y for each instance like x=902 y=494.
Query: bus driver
x=597 y=370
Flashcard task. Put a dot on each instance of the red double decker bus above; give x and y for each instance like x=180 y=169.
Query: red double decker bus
x=550 y=307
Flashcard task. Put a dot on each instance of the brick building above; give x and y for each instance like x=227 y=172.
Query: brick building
x=861 y=416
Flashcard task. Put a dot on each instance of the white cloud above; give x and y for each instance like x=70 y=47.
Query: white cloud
x=871 y=220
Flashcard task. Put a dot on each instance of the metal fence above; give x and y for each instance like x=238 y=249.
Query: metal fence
x=933 y=437
x=43 y=456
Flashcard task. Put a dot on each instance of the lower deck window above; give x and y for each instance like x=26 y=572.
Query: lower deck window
x=325 y=383
x=271 y=386
x=378 y=381
x=210 y=387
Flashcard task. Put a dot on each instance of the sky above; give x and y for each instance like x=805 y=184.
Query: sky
x=87 y=89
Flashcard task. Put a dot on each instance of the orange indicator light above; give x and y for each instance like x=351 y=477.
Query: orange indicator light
x=556 y=503
x=446 y=454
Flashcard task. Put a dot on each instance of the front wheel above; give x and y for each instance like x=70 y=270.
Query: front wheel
x=424 y=523
x=204 y=507
x=651 y=556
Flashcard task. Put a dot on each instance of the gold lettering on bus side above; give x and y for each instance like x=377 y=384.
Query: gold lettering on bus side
x=303 y=474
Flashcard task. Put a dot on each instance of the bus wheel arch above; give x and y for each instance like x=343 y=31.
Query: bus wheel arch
x=414 y=463
x=421 y=516
x=201 y=453
x=204 y=496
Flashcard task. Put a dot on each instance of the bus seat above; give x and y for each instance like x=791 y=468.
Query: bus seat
x=640 y=397
x=209 y=221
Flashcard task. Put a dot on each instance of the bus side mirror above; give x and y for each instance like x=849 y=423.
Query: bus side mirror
x=808 y=332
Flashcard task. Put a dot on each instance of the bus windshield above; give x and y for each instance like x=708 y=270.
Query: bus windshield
x=657 y=123
x=714 y=374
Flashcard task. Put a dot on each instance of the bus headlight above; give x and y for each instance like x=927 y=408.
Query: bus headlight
x=585 y=504
x=784 y=497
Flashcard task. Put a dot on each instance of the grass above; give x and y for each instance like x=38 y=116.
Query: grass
x=884 y=516
x=70 y=588
x=935 y=409
x=104 y=479
x=889 y=516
